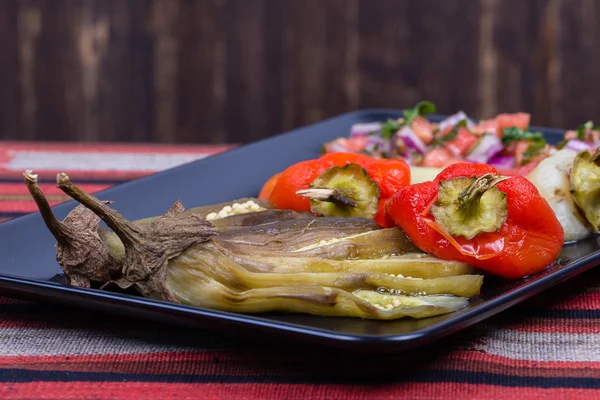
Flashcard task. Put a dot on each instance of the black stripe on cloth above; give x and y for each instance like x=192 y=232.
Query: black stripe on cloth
x=25 y=376
x=555 y=313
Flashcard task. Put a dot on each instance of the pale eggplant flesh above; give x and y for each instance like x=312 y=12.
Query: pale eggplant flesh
x=274 y=260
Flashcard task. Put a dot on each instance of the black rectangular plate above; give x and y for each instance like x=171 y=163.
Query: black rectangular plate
x=28 y=268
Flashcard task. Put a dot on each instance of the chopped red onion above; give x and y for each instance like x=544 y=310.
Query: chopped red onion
x=335 y=147
x=379 y=144
x=502 y=162
x=408 y=159
x=364 y=129
x=453 y=120
x=578 y=145
x=411 y=139
x=487 y=147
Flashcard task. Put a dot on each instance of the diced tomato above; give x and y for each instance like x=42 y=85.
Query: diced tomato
x=520 y=171
x=356 y=143
x=520 y=120
x=350 y=145
x=463 y=143
x=486 y=126
x=423 y=129
x=520 y=148
x=440 y=157
x=570 y=135
x=501 y=121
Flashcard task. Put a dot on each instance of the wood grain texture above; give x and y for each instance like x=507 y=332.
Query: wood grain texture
x=217 y=71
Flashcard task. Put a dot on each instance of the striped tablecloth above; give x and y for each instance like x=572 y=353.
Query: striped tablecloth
x=547 y=348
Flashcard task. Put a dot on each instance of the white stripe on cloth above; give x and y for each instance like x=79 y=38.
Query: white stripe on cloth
x=537 y=346
x=47 y=342
x=50 y=342
x=95 y=161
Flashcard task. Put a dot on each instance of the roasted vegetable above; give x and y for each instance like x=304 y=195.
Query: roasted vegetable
x=512 y=233
x=551 y=178
x=81 y=250
x=346 y=191
x=268 y=260
x=221 y=265
x=351 y=191
x=585 y=183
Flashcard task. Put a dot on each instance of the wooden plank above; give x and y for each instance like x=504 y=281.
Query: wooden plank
x=239 y=70
x=254 y=77
x=51 y=75
x=444 y=49
x=200 y=79
x=122 y=85
x=388 y=74
x=578 y=80
x=320 y=60
x=417 y=50
x=9 y=71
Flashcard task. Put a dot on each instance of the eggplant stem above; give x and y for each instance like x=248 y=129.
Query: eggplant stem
x=60 y=231
x=126 y=230
x=468 y=198
x=328 y=195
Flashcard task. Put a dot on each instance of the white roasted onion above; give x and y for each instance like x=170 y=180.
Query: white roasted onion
x=551 y=177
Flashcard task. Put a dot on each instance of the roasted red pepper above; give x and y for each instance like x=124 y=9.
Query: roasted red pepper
x=469 y=213
x=388 y=176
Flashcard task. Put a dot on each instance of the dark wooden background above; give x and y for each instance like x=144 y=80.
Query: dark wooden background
x=239 y=70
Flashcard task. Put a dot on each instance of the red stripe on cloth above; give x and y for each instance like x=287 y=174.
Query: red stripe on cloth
x=207 y=355
x=14 y=189
x=24 y=206
x=253 y=363
x=79 y=174
x=15 y=197
x=566 y=326
x=210 y=391
x=468 y=356
x=115 y=175
x=589 y=300
x=7 y=147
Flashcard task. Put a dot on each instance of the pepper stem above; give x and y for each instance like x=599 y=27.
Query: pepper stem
x=469 y=199
x=335 y=196
x=126 y=231
x=469 y=206
x=61 y=232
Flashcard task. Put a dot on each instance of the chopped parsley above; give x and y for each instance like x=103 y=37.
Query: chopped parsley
x=391 y=126
x=514 y=134
x=562 y=144
x=581 y=129
x=388 y=129
x=536 y=139
x=450 y=136
x=420 y=109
